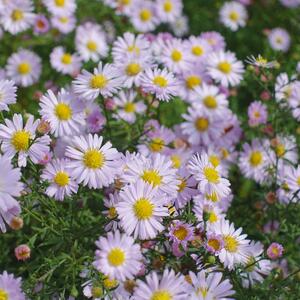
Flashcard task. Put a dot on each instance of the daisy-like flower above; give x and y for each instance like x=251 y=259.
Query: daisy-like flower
x=63 y=113
x=64 y=62
x=144 y=17
x=141 y=210
x=279 y=39
x=257 y=113
x=260 y=62
x=92 y=163
x=24 y=67
x=233 y=15
x=236 y=246
x=198 y=48
x=224 y=68
x=168 y=10
x=127 y=107
x=10 y=187
x=17 y=16
x=156 y=170
x=180 y=233
x=105 y=81
x=256 y=267
x=210 y=99
x=10 y=287
x=64 y=24
x=285 y=148
x=293 y=180
x=60 y=7
x=208 y=286
x=175 y=56
x=41 y=24
x=200 y=127
x=118 y=256
x=275 y=251
x=208 y=177
x=57 y=173
x=254 y=161
x=215 y=40
x=130 y=46
x=15 y=138
x=7 y=94
x=91 y=42
x=214 y=243
x=170 y=286
x=161 y=83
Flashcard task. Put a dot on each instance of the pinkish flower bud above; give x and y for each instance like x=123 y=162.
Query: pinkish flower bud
x=22 y=252
x=109 y=104
x=46 y=158
x=43 y=127
x=16 y=223
x=265 y=96
x=275 y=251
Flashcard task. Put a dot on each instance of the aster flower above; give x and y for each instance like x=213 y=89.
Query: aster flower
x=236 y=246
x=64 y=24
x=92 y=163
x=118 y=256
x=111 y=213
x=15 y=138
x=210 y=286
x=7 y=94
x=215 y=40
x=198 y=48
x=24 y=67
x=41 y=24
x=292 y=179
x=105 y=81
x=127 y=107
x=60 y=7
x=10 y=188
x=91 y=42
x=275 y=251
x=260 y=62
x=95 y=120
x=214 y=243
x=257 y=113
x=233 y=15
x=63 y=113
x=57 y=173
x=10 y=287
x=169 y=286
x=224 y=68
x=168 y=10
x=64 y=62
x=141 y=210
x=17 y=16
x=161 y=83
x=181 y=233
x=279 y=39
x=156 y=170
x=285 y=148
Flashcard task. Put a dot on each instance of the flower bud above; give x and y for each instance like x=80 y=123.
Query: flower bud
x=22 y=252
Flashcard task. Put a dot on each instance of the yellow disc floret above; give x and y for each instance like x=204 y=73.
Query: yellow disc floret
x=143 y=209
x=61 y=178
x=116 y=257
x=63 y=112
x=20 y=140
x=94 y=159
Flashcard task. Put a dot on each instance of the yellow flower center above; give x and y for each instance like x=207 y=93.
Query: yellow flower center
x=145 y=15
x=298 y=180
x=64 y=20
x=176 y=55
x=193 y=81
x=60 y=3
x=133 y=69
x=63 y=112
x=176 y=160
x=143 y=209
x=112 y=212
x=261 y=60
x=133 y=48
x=3 y=295
x=110 y=283
x=201 y=124
x=256 y=114
x=61 y=178
x=92 y=46
x=97 y=292
x=250 y=264
x=231 y=244
x=182 y=185
x=129 y=107
x=224 y=67
x=256 y=158
x=234 y=16
x=156 y=145
x=124 y=2
x=197 y=50
x=279 y=40
x=214 y=243
x=181 y=233
x=24 y=68
x=160 y=81
x=116 y=257
x=17 y=15
x=211 y=174
x=20 y=140
x=214 y=159
x=210 y=102
x=152 y=177
x=161 y=295
x=98 y=81
x=212 y=217
x=93 y=159
x=168 y=6
x=66 y=59
x=280 y=150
